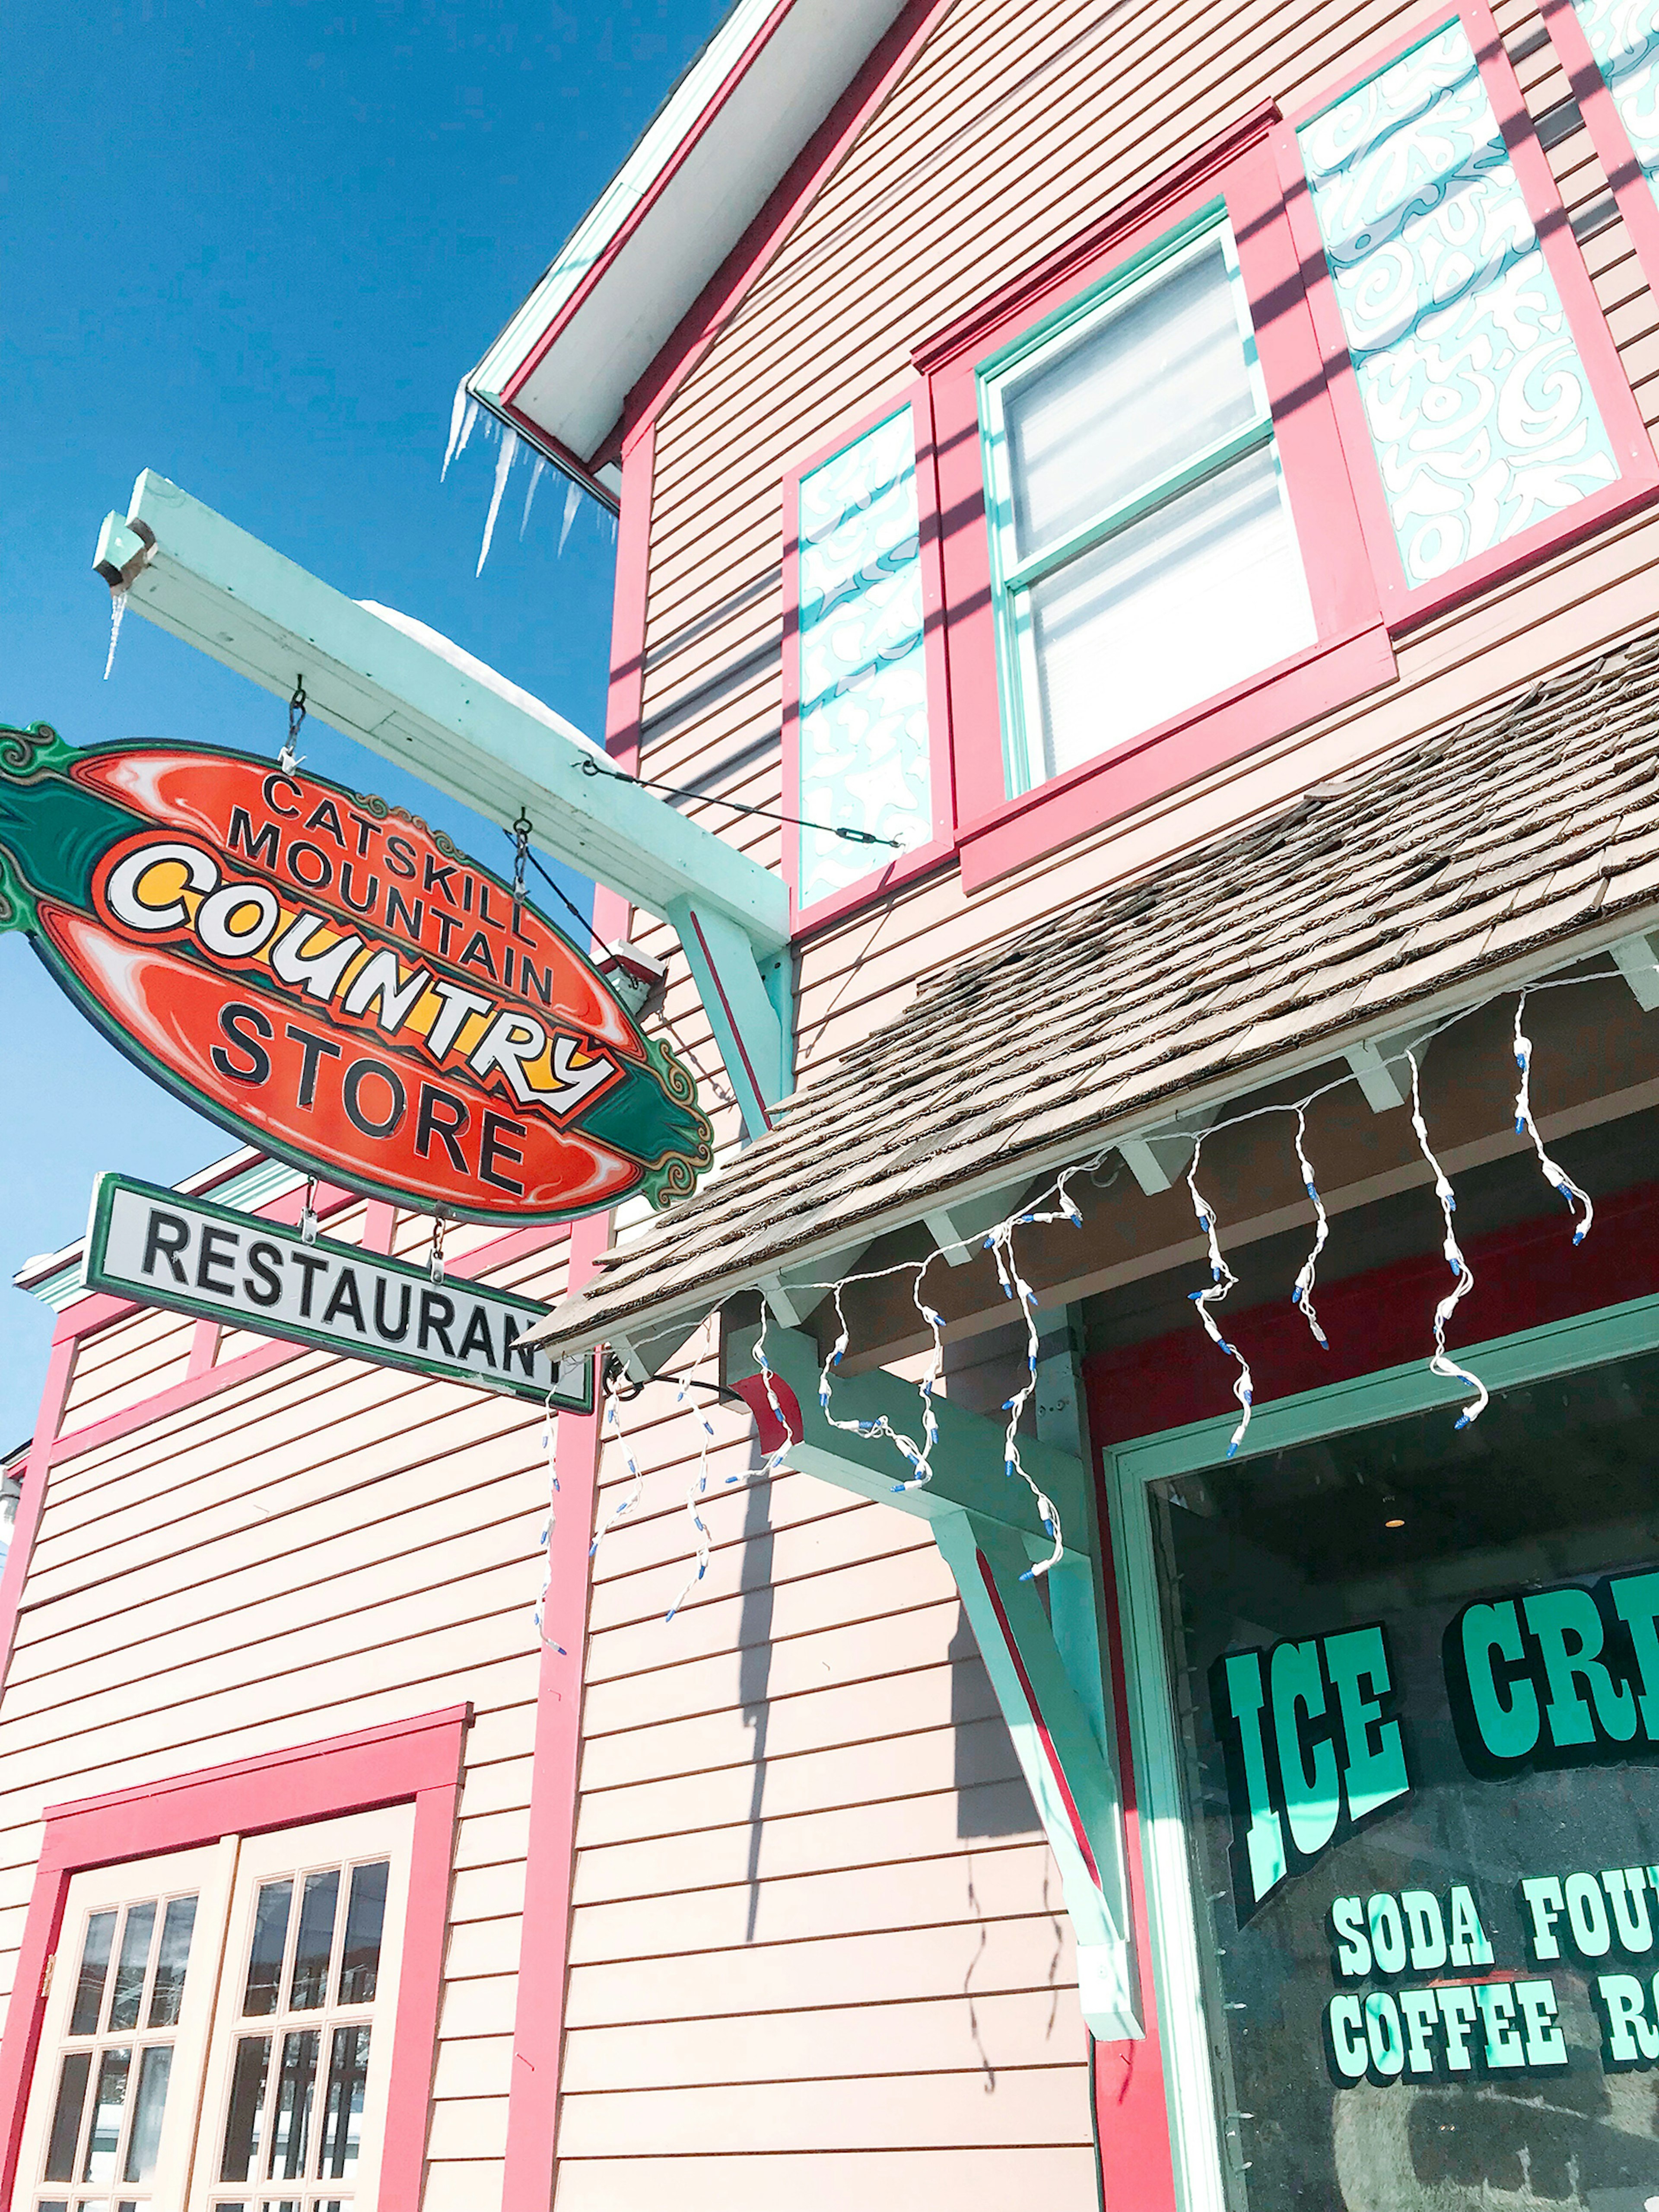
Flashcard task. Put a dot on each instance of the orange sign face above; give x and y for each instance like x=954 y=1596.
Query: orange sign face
x=336 y=983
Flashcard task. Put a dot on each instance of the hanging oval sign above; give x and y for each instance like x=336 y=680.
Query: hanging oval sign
x=336 y=983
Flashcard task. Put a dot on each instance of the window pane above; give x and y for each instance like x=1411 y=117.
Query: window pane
x=296 y=2088
x=166 y=1995
x=309 y=1986
x=95 y=1968
x=155 y=2067
x=1177 y=607
x=1385 y=1608
x=66 y=2118
x=132 y=1967
x=359 y=1963
x=108 y=2106
x=1163 y=377
x=248 y=2098
x=348 y=2070
x=53 y=2204
x=264 y=1965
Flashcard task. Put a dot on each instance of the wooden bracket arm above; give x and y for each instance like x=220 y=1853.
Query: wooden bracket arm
x=1045 y=1664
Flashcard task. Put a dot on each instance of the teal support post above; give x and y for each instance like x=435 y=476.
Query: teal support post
x=1046 y=1672
x=750 y=1016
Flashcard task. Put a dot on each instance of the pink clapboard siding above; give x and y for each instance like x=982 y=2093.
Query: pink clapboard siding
x=797 y=1976
x=287 y=1546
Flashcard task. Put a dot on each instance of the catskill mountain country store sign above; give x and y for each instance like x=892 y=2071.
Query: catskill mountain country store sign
x=335 y=984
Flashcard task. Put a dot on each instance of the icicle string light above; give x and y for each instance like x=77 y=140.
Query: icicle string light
x=1442 y=1363
x=1302 y=1296
x=1222 y=1280
x=1001 y=1242
x=550 y=1453
x=998 y=1240
x=1525 y=1126
x=695 y=1488
x=613 y=1427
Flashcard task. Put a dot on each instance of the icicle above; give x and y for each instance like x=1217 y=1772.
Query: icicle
x=536 y=476
x=549 y=1453
x=463 y=414
x=504 y=460
x=695 y=1489
x=1222 y=1280
x=613 y=1427
x=1442 y=1363
x=1525 y=1126
x=1303 y=1294
x=118 y=607
x=1001 y=1242
x=572 y=501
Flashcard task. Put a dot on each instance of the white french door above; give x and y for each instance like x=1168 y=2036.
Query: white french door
x=217 y=2034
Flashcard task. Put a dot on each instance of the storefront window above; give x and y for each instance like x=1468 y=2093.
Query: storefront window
x=1412 y=1679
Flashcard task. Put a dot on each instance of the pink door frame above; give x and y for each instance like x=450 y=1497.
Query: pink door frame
x=414 y=1760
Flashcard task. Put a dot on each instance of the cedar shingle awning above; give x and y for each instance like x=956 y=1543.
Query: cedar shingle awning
x=1527 y=835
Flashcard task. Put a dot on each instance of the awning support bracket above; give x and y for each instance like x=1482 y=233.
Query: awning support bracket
x=1045 y=1664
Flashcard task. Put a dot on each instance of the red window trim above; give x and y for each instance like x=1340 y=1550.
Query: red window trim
x=416 y=1760
x=1352 y=653
x=1607 y=134
x=1633 y=448
x=904 y=868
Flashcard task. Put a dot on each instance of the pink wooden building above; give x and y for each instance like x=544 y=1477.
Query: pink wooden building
x=1154 y=514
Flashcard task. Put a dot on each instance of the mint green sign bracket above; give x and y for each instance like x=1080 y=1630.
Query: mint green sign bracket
x=198 y=576
x=1046 y=1665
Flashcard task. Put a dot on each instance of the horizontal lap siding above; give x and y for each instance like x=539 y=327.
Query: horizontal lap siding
x=320 y=1548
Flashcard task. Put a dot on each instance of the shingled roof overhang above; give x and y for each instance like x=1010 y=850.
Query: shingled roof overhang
x=1520 y=840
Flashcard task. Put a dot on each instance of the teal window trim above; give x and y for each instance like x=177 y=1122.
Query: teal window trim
x=1012 y=579
x=1503 y=1362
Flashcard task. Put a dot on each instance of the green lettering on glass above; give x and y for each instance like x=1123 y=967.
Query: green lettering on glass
x=1311 y=1799
x=1375 y=1774
x=1265 y=1837
x=1508 y=1724
x=1568 y=1627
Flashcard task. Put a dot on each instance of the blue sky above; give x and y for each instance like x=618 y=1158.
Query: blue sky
x=253 y=246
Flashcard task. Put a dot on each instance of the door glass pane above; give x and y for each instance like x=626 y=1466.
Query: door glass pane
x=177 y=1926
x=95 y=1969
x=296 y=2086
x=66 y=2116
x=108 y=2102
x=248 y=2098
x=155 y=2066
x=132 y=1967
x=1191 y=599
x=359 y=1963
x=53 y=2204
x=1417 y=1712
x=1163 y=376
x=265 y=1968
x=347 y=2073
x=315 y=1945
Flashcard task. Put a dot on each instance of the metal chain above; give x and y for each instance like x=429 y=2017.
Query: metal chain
x=308 y=1214
x=521 y=830
x=436 y=1263
x=287 y=760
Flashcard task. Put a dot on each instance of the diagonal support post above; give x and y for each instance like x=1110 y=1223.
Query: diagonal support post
x=1045 y=1663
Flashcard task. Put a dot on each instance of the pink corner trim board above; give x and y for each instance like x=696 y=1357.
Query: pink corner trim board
x=533 y=2110
x=417 y=1760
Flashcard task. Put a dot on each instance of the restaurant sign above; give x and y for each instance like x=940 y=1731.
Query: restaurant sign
x=336 y=983
x=163 y=1249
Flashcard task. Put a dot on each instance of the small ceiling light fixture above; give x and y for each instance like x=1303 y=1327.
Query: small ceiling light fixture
x=1394 y=1518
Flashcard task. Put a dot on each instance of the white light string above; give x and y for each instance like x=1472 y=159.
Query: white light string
x=697 y=1485
x=613 y=1427
x=998 y=1240
x=1442 y=1363
x=550 y=1453
x=1222 y=1280
x=1302 y=1296
x=1525 y=1126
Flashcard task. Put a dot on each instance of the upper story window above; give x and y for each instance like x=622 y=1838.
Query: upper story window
x=1144 y=555
x=1180 y=487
